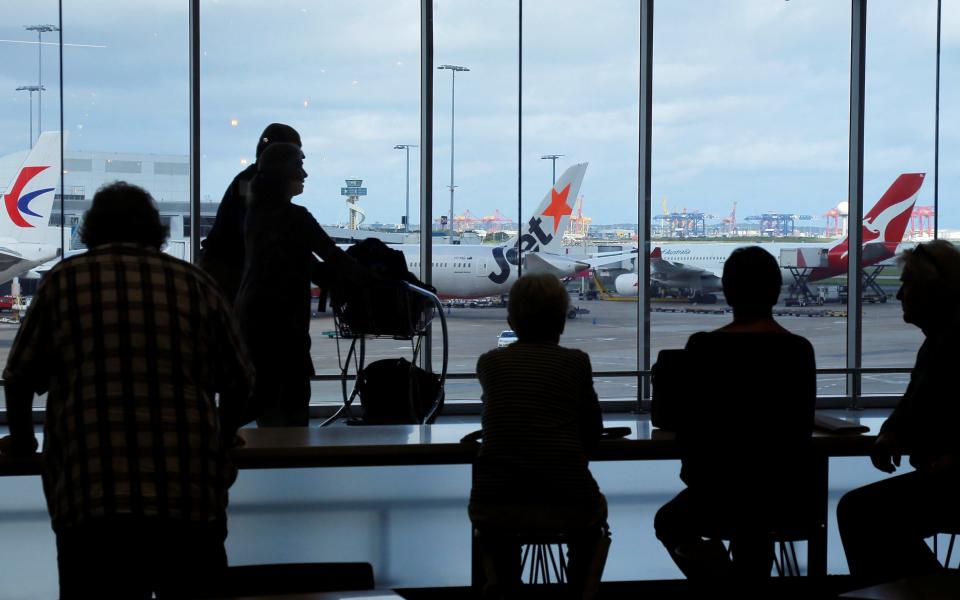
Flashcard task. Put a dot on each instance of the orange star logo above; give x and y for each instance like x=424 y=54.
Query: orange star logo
x=558 y=206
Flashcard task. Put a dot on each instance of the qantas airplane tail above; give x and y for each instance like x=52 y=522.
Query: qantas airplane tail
x=544 y=231
x=887 y=220
x=884 y=225
x=28 y=201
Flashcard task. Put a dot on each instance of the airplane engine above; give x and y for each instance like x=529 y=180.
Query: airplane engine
x=626 y=284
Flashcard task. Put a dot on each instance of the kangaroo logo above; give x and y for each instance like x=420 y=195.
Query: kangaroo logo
x=876 y=227
x=17 y=204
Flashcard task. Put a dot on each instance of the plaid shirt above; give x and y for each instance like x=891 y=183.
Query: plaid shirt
x=131 y=345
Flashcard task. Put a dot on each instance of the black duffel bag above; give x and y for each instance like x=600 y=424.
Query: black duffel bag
x=394 y=391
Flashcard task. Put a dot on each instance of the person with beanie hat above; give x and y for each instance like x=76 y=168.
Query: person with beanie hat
x=222 y=251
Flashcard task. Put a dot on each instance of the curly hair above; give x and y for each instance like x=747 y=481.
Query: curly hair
x=122 y=212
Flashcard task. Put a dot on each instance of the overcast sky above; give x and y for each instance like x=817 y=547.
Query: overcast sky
x=750 y=97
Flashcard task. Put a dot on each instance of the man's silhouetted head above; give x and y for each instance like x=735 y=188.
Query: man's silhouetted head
x=751 y=281
x=122 y=212
x=277 y=133
x=930 y=283
x=537 y=308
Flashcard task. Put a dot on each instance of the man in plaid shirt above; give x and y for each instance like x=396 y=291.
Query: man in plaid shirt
x=131 y=347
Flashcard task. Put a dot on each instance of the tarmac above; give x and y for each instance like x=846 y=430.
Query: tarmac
x=607 y=331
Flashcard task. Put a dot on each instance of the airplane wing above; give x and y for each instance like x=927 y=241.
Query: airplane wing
x=541 y=262
x=607 y=259
x=12 y=264
x=680 y=275
x=10 y=258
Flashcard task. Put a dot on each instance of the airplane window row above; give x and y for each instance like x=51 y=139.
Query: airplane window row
x=439 y=265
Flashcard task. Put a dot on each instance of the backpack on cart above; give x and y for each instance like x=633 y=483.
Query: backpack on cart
x=394 y=391
x=382 y=306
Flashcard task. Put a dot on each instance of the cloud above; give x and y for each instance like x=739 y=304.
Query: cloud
x=749 y=95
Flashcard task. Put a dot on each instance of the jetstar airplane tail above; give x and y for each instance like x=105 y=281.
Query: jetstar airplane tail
x=544 y=231
x=28 y=200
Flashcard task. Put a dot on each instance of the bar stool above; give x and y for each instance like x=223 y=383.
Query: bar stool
x=543 y=557
x=934 y=544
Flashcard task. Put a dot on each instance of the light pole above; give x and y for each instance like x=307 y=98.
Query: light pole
x=40 y=29
x=31 y=89
x=453 y=87
x=406 y=212
x=553 y=159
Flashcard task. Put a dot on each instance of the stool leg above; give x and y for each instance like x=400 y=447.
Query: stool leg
x=523 y=560
x=553 y=561
x=796 y=563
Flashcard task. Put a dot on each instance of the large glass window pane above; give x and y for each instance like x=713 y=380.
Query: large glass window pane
x=898 y=139
x=346 y=76
x=580 y=103
x=126 y=107
x=479 y=158
x=30 y=133
x=949 y=184
x=750 y=133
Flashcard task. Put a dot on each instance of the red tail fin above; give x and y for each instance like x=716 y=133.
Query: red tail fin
x=887 y=220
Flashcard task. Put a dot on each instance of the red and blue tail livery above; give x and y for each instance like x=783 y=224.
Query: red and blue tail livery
x=26 y=238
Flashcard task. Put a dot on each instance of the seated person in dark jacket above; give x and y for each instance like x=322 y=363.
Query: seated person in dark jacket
x=883 y=525
x=744 y=433
x=540 y=418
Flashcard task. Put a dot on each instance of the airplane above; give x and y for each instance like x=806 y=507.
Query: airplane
x=698 y=266
x=476 y=271
x=26 y=238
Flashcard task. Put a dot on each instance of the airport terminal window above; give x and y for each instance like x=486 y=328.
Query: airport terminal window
x=30 y=129
x=122 y=166
x=593 y=122
x=118 y=117
x=749 y=144
x=78 y=164
x=476 y=93
x=898 y=138
x=346 y=76
x=949 y=180
x=171 y=168
x=747 y=124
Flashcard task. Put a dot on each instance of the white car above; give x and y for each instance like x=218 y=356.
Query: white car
x=506 y=338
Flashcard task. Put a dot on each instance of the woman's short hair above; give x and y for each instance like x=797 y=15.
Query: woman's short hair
x=537 y=308
x=751 y=280
x=122 y=212
x=935 y=264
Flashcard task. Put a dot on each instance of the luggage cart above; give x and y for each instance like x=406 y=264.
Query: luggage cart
x=386 y=310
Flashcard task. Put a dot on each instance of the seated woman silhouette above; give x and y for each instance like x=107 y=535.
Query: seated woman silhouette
x=273 y=303
x=744 y=433
x=884 y=525
x=540 y=418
